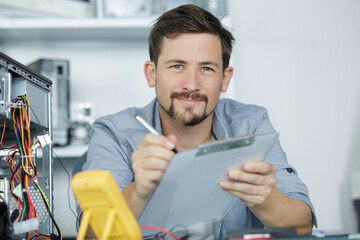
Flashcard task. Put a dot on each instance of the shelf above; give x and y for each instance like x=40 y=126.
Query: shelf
x=75 y=29
x=127 y=28
x=71 y=151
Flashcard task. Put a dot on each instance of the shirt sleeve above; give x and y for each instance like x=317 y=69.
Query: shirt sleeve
x=287 y=179
x=109 y=150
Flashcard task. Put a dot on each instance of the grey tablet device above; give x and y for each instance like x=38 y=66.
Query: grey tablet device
x=189 y=191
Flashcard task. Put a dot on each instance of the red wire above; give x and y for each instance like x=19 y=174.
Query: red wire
x=23 y=133
x=32 y=212
x=11 y=167
x=160 y=230
x=25 y=119
x=39 y=235
x=2 y=136
x=18 y=127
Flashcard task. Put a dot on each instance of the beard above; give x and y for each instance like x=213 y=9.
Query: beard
x=194 y=118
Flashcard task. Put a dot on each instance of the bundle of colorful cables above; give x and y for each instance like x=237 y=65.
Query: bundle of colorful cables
x=25 y=171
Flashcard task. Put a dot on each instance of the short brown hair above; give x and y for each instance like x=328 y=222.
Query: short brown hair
x=188 y=19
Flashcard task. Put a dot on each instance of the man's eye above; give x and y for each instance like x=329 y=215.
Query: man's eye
x=206 y=69
x=177 y=66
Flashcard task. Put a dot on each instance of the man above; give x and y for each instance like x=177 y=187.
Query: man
x=189 y=68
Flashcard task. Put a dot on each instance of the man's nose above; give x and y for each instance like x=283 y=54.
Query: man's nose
x=191 y=81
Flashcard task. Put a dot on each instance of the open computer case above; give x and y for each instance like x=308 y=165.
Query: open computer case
x=26 y=186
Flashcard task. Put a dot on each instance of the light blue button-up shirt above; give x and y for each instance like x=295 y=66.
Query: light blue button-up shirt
x=115 y=138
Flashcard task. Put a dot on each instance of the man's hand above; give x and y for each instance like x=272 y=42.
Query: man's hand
x=252 y=184
x=150 y=160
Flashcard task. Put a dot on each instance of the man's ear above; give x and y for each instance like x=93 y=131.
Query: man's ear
x=149 y=71
x=228 y=73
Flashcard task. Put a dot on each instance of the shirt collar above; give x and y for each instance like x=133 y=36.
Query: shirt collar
x=156 y=120
x=218 y=127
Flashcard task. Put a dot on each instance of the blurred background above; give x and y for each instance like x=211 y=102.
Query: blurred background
x=300 y=59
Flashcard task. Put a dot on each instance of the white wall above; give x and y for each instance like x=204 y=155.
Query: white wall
x=301 y=60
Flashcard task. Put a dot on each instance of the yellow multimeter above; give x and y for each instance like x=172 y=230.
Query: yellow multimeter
x=104 y=207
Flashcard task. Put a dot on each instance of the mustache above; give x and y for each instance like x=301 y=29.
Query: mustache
x=193 y=96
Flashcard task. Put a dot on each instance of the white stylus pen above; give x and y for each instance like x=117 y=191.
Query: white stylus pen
x=149 y=127
x=146 y=125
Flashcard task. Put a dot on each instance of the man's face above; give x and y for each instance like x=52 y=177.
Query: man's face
x=189 y=77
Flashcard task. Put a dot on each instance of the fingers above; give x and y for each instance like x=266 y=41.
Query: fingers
x=246 y=188
x=242 y=176
x=153 y=163
x=150 y=161
x=258 y=167
x=250 y=200
x=252 y=184
x=152 y=151
x=172 y=138
x=153 y=148
x=251 y=194
x=253 y=172
x=159 y=140
x=146 y=180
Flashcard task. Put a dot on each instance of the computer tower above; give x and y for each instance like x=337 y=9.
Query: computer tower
x=20 y=85
x=58 y=71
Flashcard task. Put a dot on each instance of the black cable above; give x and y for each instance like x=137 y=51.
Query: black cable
x=1 y=197
x=48 y=210
x=26 y=204
x=69 y=178
x=181 y=226
x=159 y=235
x=357 y=208
x=43 y=197
x=37 y=119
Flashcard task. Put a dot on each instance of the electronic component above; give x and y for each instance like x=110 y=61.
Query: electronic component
x=80 y=132
x=58 y=71
x=81 y=123
x=103 y=206
x=25 y=123
x=17 y=80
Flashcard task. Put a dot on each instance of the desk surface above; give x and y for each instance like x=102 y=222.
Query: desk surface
x=335 y=237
